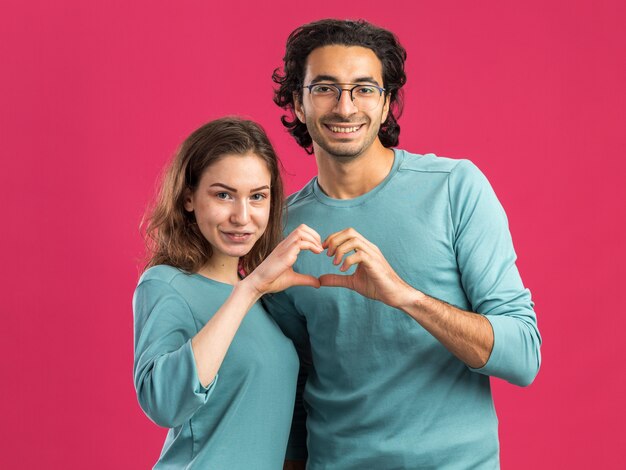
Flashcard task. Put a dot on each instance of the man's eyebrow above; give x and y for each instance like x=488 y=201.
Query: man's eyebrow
x=332 y=79
x=323 y=78
x=367 y=79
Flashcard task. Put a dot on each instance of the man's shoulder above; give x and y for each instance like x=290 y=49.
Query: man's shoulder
x=428 y=162
x=301 y=197
x=459 y=172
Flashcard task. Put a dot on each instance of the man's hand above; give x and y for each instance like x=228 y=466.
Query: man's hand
x=373 y=278
x=467 y=335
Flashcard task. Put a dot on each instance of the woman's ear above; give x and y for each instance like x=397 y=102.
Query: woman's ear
x=188 y=200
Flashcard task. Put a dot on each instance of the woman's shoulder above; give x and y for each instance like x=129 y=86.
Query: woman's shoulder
x=162 y=272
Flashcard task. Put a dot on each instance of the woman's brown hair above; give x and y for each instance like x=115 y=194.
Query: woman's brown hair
x=172 y=235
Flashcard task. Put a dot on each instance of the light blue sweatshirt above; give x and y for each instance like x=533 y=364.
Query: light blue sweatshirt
x=381 y=392
x=242 y=420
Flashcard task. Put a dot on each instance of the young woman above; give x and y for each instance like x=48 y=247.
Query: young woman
x=210 y=364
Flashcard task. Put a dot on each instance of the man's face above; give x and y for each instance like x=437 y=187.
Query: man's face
x=340 y=129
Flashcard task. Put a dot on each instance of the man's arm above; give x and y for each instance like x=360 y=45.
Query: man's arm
x=502 y=338
x=467 y=335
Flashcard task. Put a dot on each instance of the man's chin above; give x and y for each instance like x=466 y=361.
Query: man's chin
x=342 y=153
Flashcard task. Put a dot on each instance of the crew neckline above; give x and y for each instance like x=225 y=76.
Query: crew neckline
x=363 y=198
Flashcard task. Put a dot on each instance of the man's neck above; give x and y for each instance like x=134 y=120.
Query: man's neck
x=353 y=178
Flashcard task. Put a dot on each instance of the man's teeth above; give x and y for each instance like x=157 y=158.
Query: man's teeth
x=344 y=130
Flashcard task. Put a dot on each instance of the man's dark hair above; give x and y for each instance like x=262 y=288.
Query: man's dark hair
x=306 y=38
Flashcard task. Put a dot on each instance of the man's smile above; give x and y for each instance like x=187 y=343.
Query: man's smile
x=344 y=128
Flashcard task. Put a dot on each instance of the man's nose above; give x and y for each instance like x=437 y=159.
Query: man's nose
x=345 y=106
x=240 y=214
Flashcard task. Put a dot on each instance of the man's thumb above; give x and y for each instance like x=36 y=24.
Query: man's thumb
x=305 y=280
x=335 y=280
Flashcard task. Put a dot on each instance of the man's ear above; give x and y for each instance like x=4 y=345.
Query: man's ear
x=386 y=108
x=297 y=107
x=188 y=200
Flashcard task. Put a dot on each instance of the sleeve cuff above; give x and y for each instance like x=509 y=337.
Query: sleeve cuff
x=494 y=357
x=198 y=388
x=512 y=358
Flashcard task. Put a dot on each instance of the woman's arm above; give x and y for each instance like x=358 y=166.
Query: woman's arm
x=211 y=343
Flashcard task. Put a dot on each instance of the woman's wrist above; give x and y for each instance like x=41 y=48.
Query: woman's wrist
x=248 y=290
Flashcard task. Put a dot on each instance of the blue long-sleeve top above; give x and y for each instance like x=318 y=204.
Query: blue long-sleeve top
x=381 y=392
x=242 y=419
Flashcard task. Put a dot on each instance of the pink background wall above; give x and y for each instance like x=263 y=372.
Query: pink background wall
x=96 y=96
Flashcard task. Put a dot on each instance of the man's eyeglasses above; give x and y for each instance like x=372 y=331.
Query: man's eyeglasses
x=327 y=95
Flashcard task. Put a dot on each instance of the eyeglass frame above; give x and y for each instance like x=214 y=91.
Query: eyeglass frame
x=337 y=86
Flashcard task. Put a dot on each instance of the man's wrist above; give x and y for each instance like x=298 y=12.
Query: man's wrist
x=410 y=298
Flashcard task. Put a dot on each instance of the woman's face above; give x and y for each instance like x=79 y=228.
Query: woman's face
x=232 y=204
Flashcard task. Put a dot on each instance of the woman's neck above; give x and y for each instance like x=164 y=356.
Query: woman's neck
x=223 y=269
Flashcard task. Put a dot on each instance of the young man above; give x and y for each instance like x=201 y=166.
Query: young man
x=422 y=300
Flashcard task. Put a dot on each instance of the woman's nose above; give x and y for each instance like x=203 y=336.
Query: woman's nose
x=240 y=214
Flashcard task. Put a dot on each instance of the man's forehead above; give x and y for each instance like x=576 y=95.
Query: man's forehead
x=346 y=64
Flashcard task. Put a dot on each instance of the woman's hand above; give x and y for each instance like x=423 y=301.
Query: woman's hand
x=275 y=273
